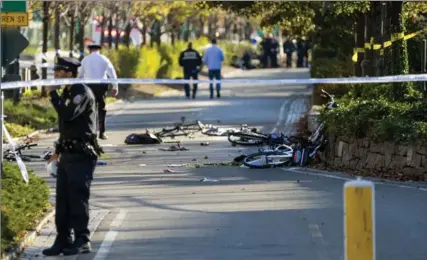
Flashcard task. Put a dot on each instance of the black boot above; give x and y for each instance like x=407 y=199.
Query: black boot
x=80 y=246
x=103 y=136
x=59 y=246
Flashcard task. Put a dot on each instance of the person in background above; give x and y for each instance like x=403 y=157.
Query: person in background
x=191 y=61
x=76 y=152
x=213 y=58
x=274 y=52
x=300 y=53
x=97 y=66
x=288 y=49
x=266 y=51
x=306 y=51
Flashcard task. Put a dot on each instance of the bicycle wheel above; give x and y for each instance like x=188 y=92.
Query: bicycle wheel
x=247 y=139
x=29 y=158
x=197 y=126
x=263 y=160
x=168 y=132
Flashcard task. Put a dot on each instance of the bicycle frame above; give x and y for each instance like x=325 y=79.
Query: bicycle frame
x=289 y=150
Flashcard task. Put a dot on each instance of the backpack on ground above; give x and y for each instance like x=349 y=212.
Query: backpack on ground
x=142 y=139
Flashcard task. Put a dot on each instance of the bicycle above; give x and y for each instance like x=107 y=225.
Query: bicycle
x=280 y=155
x=254 y=138
x=180 y=129
x=10 y=155
x=306 y=149
x=212 y=130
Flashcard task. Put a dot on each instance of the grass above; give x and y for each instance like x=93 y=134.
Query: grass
x=28 y=116
x=110 y=100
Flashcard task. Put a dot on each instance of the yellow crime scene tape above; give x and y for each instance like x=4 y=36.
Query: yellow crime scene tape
x=371 y=45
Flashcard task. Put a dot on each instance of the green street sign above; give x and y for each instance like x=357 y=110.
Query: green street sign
x=14 y=6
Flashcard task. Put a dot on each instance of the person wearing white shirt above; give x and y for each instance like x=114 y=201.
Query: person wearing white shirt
x=97 y=66
x=213 y=58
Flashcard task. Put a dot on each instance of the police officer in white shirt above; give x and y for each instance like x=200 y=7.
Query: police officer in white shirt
x=97 y=66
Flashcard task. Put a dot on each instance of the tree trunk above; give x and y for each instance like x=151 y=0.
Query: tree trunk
x=144 y=34
x=399 y=51
x=57 y=31
x=360 y=41
x=126 y=38
x=368 y=56
x=102 y=25
x=110 y=30
x=173 y=35
x=72 y=30
x=117 y=39
x=45 y=39
x=81 y=39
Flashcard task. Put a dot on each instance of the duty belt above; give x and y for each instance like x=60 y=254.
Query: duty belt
x=78 y=146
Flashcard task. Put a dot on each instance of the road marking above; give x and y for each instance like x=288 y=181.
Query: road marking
x=321 y=174
x=108 y=241
x=280 y=117
x=320 y=242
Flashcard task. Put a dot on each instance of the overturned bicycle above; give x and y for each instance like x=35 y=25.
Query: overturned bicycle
x=282 y=150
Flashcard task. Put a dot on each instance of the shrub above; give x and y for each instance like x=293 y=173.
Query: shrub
x=22 y=204
x=30 y=115
x=149 y=63
x=161 y=61
x=380 y=120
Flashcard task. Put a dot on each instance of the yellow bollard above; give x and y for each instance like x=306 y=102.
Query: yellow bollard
x=359 y=220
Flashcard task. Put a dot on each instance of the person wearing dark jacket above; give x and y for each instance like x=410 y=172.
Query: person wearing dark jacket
x=191 y=61
x=273 y=53
x=288 y=48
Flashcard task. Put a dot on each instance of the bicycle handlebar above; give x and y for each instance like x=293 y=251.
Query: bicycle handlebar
x=22 y=147
x=327 y=94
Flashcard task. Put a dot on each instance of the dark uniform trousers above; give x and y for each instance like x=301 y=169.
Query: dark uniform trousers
x=100 y=92
x=75 y=174
x=187 y=75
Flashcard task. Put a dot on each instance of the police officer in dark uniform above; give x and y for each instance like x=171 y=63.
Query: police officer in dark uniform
x=78 y=151
x=273 y=53
x=191 y=61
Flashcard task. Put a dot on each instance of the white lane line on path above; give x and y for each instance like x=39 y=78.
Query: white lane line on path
x=317 y=237
x=280 y=117
x=321 y=174
x=108 y=241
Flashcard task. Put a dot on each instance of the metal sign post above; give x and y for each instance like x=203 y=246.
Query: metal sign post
x=1 y=99
x=2 y=112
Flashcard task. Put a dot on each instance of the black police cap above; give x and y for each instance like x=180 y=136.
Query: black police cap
x=65 y=63
x=94 y=46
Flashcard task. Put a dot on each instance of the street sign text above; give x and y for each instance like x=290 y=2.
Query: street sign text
x=14 y=19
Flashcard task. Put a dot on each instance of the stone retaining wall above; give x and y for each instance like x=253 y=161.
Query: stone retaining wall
x=359 y=154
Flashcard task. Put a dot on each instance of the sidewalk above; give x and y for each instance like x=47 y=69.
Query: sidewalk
x=47 y=234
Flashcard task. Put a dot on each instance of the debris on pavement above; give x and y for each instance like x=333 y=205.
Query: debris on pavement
x=204 y=144
x=239 y=158
x=208 y=180
x=176 y=165
x=142 y=165
x=109 y=145
x=174 y=148
x=101 y=163
x=172 y=171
